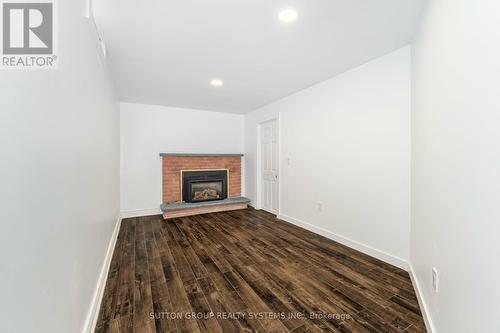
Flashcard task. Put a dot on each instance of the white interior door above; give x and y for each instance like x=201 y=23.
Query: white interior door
x=269 y=157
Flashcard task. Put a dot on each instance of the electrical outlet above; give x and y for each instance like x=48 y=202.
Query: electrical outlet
x=435 y=279
x=288 y=161
x=320 y=206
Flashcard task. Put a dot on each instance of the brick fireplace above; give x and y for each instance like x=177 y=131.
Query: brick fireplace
x=210 y=195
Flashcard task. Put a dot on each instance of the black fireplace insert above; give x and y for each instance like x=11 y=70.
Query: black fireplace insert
x=204 y=185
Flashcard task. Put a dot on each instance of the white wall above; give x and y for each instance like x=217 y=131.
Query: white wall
x=456 y=163
x=59 y=176
x=348 y=140
x=148 y=130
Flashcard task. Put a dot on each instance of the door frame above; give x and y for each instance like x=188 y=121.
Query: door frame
x=258 y=168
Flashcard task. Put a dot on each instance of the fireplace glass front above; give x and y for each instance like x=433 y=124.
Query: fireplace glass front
x=198 y=186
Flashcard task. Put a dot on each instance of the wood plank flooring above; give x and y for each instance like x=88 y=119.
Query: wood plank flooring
x=246 y=271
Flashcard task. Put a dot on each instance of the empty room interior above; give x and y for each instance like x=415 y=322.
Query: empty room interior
x=250 y=166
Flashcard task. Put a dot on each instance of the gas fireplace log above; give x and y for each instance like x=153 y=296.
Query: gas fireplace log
x=206 y=194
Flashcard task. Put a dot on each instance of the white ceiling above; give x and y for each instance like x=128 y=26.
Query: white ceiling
x=165 y=52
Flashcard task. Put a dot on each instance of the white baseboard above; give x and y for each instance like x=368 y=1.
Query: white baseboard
x=254 y=205
x=141 y=212
x=93 y=312
x=393 y=260
x=429 y=325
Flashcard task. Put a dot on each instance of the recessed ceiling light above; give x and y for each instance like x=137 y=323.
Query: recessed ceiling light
x=288 y=15
x=216 y=83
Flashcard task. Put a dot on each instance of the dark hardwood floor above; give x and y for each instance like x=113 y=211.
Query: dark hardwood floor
x=246 y=271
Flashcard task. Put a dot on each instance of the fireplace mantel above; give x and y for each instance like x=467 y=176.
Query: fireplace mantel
x=199 y=155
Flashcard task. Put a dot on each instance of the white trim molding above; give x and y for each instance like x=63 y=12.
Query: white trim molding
x=141 y=212
x=389 y=258
x=93 y=313
x=429 y=324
